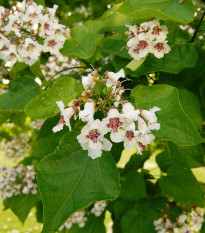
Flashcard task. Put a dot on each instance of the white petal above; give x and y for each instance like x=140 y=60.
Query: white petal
x=60 y=105
x=117 y=137
x=94 y=153
x=142 y=126
x=57 y=128
x=106 y=144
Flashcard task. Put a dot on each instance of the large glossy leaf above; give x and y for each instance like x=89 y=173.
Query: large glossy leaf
x=69 y=180
x=181 y=185
x=44 y=105
x=133 y=187
x=91 y=26
x=161 y=9
x=21 y=205
x=175 y=124
x=191 y=106
x=84 y=48
x=21 y=91
x=46 y=141
x=140 y=219
x=187 y=156
x=173 y=62
x=116 y=46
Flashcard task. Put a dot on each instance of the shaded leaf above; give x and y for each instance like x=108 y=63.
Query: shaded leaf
x=69 y=180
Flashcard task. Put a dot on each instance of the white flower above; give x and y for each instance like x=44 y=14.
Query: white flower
x=142 y=126
x=139 y=46
x=129 y=113
x=4 y=42
x=53 y=45
x=130 y=134
x=98 y=208
x=88 y=112
x=92 y=139
x=66 y=114
x=159 y=48
x=88 y=81
x=150 y=115
x=113 y=77
x=112 y=123
x=157 y=31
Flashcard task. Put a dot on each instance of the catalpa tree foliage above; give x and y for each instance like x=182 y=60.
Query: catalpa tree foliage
x=102 y=114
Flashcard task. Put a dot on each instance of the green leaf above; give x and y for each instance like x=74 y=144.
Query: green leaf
x=44 y=105
x=89 y=27
x=19 y=66
x=163 y=160
x=140 y=219
x=160 y=9
x=173 y=62
x=191 y=106
x=21 y=205
x=116 y=46
x=137 y=161
x=69 y=180
x=176 y=126
x=116 y=151
x=21 y=91
x=187 y=156
x=133 y=187
x=115 y=20
x=46 y=141
x=93 y=224
x=36 y=70
x=134 y=64
x=84 y=48
x=181 y=185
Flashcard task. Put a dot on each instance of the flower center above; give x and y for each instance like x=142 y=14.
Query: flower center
x=46 y=26
x=61 y=121
x=15 y=25
x=52 y=43
x=156 y=31
x=130 y=135
x=143 y=44
x=93 y=135
x=31 y=48
x=159 y=47
x=114 y=124
x=141 y=145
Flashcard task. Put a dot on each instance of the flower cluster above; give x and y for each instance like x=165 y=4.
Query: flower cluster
x=123 y=122
x=98 y=208
x=16 y=148
x=188 y=222
x=77 y=218
x=27 y=30
x=80 y=218
x=148 y=37
x=17 y=180
x=56 y=64
x=36 y=125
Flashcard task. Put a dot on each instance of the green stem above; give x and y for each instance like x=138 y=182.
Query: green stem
x=78 y=67
x=197 y=28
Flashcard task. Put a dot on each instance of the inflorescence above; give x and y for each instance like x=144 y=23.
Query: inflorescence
x=148 y=37
x=27 y=30
x=121 y=119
